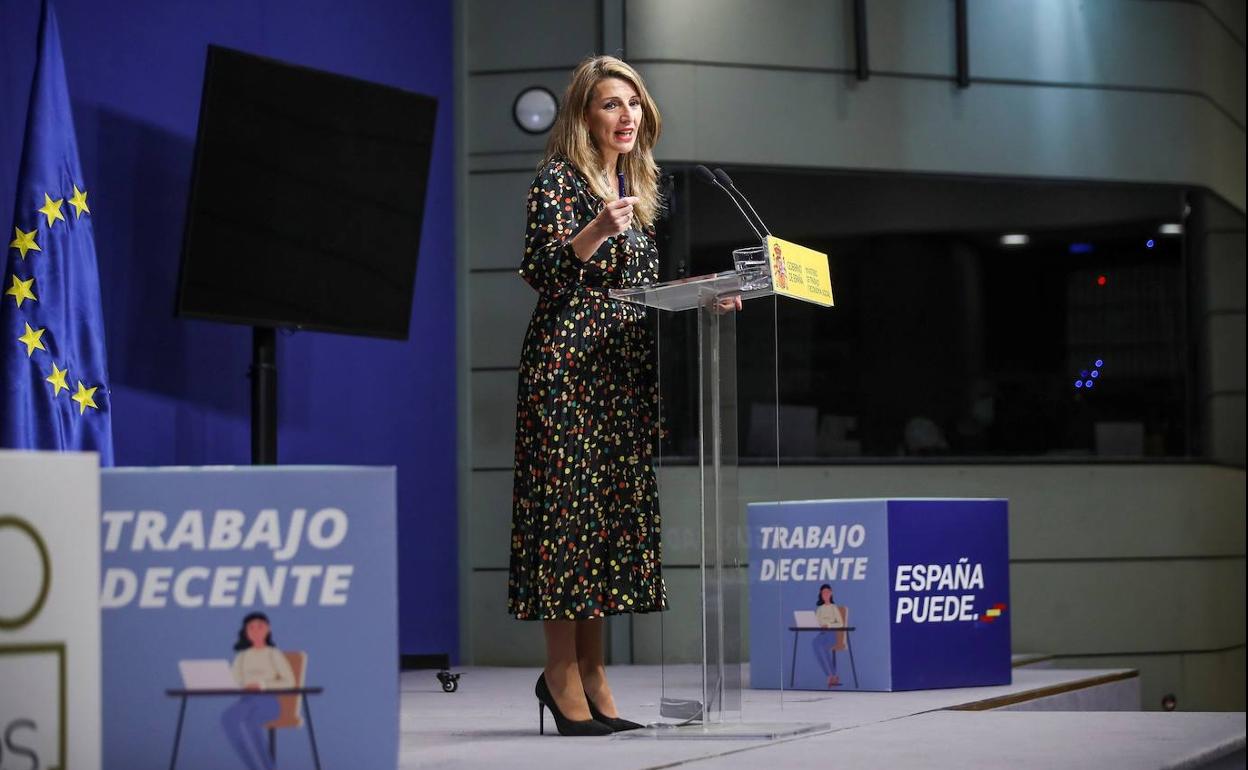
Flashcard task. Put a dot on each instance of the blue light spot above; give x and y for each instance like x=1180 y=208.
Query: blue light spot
x=1078 y=383
x=1080 y=248
x=1099 y=363
x=1088 y=384
x=1150 y=243
x=1084 y=373
x=1095 y=374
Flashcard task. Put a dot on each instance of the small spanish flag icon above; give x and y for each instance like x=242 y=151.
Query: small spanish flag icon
x=992 y=613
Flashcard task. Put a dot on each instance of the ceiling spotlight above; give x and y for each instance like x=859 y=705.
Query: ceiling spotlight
x=1015 y=239
x=534 y=110
x=1171 y=228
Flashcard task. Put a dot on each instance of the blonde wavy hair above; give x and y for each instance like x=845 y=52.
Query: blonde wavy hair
x=570 y=136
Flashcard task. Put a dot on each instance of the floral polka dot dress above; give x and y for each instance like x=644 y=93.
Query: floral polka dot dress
x=585 y=505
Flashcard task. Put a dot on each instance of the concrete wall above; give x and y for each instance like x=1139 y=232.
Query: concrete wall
x=1121 y=90
x=1216 y=232
x=1138 y=91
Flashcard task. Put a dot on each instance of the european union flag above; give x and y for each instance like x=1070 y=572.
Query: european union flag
x=53 y=369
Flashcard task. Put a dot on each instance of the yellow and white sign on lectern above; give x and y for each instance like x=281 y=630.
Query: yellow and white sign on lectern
x=49 y=610
x=799 y=272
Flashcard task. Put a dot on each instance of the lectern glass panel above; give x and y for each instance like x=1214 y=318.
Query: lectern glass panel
x=700 y=642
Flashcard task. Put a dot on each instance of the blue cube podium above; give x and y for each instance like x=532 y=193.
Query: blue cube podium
x=881 y=594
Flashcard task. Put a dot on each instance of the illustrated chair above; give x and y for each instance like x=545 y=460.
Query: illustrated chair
x=842 y=639
x=843 y=642
x=290 y=714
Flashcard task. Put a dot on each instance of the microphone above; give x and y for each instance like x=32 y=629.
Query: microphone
x=705 y=175
x=726 y=181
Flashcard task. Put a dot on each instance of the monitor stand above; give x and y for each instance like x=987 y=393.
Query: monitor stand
x=263 y=375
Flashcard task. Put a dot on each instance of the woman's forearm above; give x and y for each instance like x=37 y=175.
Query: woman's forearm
x=586 y=242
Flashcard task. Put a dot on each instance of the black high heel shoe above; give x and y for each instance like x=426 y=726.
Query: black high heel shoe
x=616 y=724
x=571 y=727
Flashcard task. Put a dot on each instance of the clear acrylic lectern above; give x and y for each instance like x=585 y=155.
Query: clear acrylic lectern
x=704 y=699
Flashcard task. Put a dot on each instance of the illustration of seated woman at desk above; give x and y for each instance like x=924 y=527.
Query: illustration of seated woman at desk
x=826 y=643
x=258 y=665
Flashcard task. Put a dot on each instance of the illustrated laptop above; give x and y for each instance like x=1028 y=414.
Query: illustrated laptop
x=805 y=619
x=207 y=675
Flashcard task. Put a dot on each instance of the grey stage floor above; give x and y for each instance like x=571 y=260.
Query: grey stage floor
x=491 y=722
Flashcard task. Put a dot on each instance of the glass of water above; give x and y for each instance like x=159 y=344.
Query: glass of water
x=751 y=265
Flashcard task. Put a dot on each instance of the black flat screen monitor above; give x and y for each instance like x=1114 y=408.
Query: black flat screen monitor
x=306 y=199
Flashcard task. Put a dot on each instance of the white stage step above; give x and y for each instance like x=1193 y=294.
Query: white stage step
x=1033 y=660
x=491 y=722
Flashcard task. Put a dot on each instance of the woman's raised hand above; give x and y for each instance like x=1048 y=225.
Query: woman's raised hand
x=615 y=217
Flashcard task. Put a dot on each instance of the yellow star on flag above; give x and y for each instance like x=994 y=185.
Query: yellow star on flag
x=84 y=397
x=24 y=242
x=20 y=290
x=79 y=202
x=52 y=209
x=31 y=340
x=58 y=380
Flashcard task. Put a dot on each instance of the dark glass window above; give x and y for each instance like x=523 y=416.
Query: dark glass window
x=973 y=318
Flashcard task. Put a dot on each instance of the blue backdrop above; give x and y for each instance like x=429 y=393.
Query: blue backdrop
x=179 y=390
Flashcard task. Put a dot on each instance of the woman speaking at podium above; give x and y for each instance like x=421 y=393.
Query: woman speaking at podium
x=585 y=509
